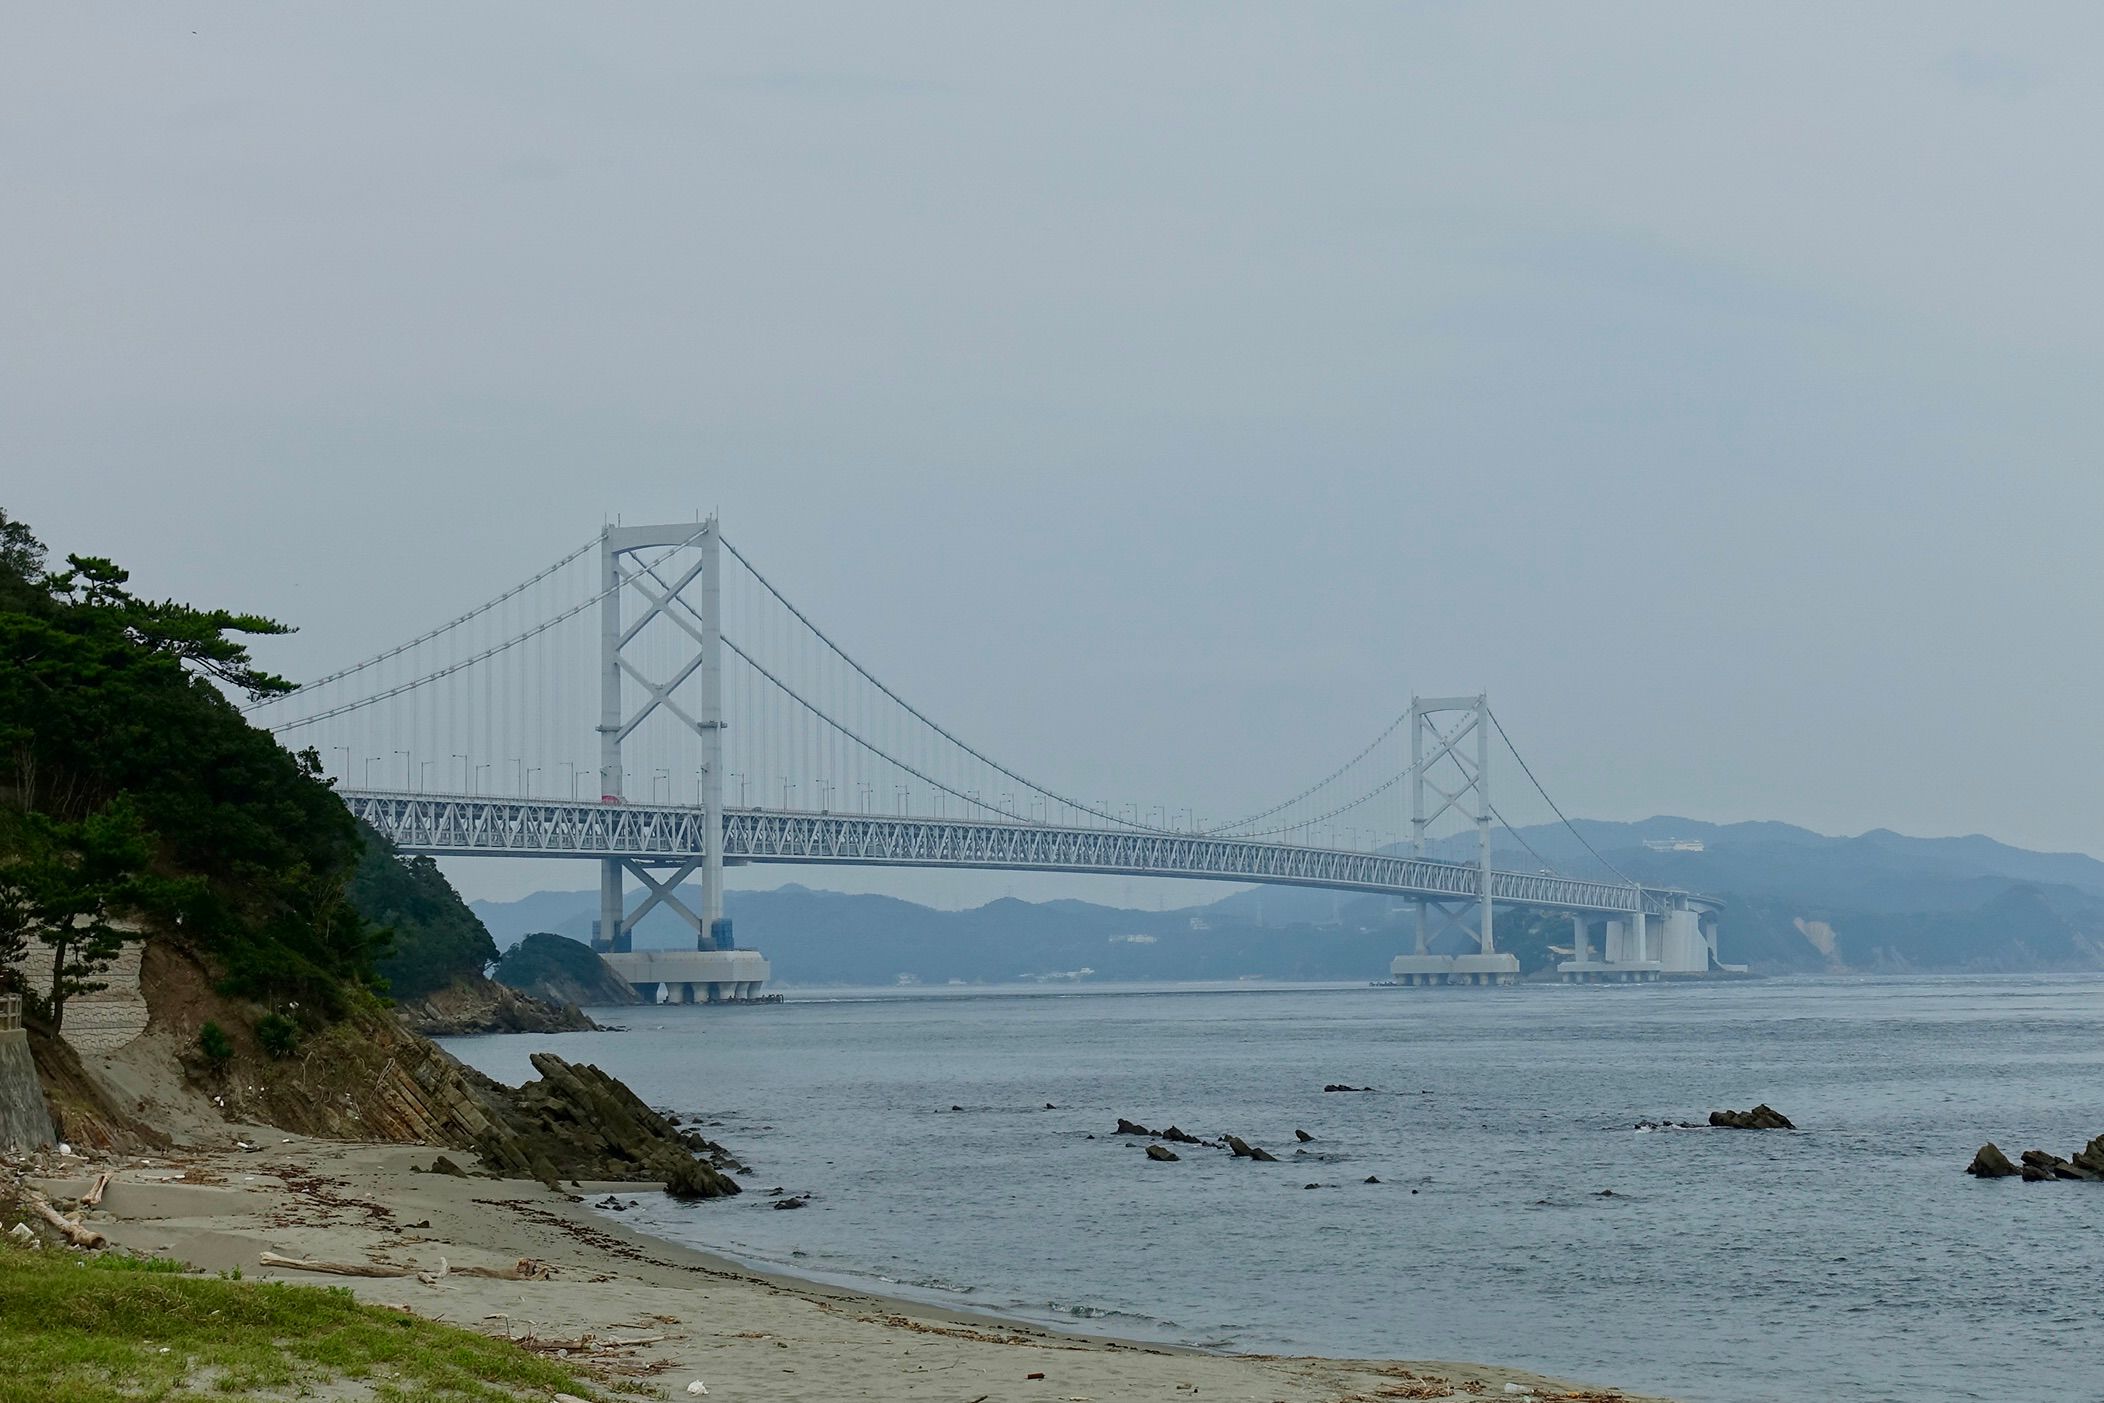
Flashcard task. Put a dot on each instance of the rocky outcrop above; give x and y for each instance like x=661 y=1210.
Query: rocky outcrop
x=1761 y=1117
x=563 y=971
x=1991 y=1163
x=1133 y=1127
x=577 y=1122
x=1340 y=1086
x=2040 y=1166
x=477 y=1005
x=367 y=1077
x=1163 y=1153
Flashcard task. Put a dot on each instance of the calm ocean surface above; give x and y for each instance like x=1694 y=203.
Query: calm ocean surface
x=1851 y=1260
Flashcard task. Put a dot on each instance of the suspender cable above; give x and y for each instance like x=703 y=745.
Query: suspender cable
x=920 y=716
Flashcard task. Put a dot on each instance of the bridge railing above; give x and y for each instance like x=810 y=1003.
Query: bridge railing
x=467 y=825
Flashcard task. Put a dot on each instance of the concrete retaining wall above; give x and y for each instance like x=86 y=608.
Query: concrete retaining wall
x=24 y=1123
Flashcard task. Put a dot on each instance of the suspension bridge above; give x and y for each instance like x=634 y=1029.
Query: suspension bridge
x=651 y=702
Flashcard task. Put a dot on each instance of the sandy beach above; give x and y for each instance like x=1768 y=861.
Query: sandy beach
x=654 y=1317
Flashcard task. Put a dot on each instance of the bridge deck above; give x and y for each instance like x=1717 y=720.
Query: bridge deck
x=444 y=825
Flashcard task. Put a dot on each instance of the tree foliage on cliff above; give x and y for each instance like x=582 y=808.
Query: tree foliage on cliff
x=436 y=939
x=108 y=699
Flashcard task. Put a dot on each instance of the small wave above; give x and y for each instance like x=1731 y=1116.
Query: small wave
x=924 y=1283
x=1131 y=1322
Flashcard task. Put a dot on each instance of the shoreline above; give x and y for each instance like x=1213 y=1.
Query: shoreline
x=685 y=1313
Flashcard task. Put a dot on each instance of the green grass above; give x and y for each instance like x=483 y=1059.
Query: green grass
x=119 y=1331
x=110 y=1261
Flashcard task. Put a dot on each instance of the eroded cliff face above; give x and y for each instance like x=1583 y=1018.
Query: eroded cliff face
x=364 y=1077
x=479 y=1005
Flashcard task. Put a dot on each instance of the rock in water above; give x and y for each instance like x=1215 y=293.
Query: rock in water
x=2090 y=1158
x=1162 y=1153
x=697 y=1180
x=1244 y=1150
x=1302 y=1136
x=1761 y=1117
x=2049 y=1166
x=1133 y=1127
x=1991 y=1163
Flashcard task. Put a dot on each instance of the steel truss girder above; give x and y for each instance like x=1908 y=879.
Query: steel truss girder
x=671 y=835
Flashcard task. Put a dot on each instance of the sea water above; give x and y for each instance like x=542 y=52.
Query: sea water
x=958 y=1146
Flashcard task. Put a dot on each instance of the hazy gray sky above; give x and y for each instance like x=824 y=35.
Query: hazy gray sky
x=1161 y=394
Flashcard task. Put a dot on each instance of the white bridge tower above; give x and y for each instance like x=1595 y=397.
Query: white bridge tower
x=638 y=594
x=1458 y=776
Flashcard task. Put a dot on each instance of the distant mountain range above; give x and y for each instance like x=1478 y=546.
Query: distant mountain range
x=1797 y=901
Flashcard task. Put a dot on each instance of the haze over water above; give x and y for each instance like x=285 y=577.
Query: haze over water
x=1850 y=1260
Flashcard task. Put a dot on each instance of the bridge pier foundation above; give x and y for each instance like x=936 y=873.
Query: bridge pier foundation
x=1458 y=971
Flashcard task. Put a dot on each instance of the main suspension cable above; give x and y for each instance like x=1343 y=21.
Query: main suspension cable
x=1225 y=828
x=487 y=653
x=423 y=638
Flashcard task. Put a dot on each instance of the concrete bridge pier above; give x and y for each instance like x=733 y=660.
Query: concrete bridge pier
x=1642 y=947
x=691 y=976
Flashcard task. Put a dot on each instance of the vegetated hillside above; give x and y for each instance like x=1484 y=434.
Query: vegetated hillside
x=436 y=938
x=562 y=970
x=133 y=786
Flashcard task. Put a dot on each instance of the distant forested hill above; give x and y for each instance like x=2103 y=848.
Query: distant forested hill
x=1797 y=901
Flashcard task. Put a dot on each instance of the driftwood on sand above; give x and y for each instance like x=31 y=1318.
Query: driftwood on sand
x=524 y=1269
x=71 y=1230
